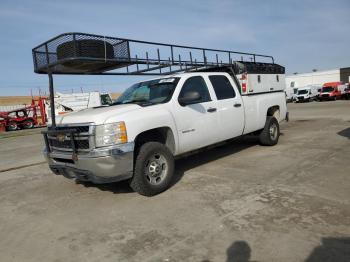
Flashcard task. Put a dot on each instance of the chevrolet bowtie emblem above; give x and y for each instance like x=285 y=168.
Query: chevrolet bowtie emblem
x=61 y=137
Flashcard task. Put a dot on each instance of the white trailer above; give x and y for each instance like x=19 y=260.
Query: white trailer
x=65 y=103
x=290 y=93
x=342 y=89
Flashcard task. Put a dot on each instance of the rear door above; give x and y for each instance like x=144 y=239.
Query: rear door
x=196 y=123
x=230 y=106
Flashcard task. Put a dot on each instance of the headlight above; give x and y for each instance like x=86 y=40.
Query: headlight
x=110 y=134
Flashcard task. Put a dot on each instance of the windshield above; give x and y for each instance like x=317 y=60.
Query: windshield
x=327 y=89
x=302 y=92
x=149 y=93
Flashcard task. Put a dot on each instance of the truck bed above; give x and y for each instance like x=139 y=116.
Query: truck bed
x=256 y=107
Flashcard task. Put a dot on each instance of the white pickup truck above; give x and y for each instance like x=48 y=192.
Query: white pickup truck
x=154 y=121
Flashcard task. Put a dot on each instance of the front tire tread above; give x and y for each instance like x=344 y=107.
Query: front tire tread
x=139 y=182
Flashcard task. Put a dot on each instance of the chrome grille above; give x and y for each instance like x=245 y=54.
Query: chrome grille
x=80 y=129
x=66 y=144
x=62 y=141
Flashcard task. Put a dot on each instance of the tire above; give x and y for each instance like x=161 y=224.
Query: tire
x=154 y=169
x=89 y=48
x=28 y=124
x=12 y=126
x=270 y=134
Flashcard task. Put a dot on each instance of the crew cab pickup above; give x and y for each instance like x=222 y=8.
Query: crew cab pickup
x=152 y=122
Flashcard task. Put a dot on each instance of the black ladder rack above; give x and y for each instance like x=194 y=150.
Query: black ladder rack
x=80 y=53
x=88 y=54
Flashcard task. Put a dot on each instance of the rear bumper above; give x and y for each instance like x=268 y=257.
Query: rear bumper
x=99 y=166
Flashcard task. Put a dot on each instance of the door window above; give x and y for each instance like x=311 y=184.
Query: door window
x=197 y=84
x=222 y=87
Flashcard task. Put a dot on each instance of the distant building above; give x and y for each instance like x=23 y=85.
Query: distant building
x=318 y=78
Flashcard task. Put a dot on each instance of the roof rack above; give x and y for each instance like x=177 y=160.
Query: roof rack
x=80 y=53
x=88 y=54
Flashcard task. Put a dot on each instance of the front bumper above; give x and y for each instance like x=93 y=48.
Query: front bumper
x=326 y=97
x=302 y=99
x=99 y=166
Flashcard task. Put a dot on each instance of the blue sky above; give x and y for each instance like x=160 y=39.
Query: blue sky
x=301 y=35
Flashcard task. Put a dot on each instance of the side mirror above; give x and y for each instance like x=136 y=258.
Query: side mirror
x=190 y=97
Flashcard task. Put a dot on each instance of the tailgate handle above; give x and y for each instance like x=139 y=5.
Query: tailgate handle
x=211 y=110
x=237 y=105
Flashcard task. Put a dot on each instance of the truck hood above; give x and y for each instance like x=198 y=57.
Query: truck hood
x=97 y=115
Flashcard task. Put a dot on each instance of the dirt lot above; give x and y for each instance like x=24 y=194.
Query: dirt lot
x=237 y=202
x=15 y=100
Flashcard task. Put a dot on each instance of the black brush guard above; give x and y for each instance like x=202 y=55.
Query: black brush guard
x=52 y=131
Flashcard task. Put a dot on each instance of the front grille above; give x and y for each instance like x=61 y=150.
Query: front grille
x=62 y=141
x=80 y=129
x=66 y=144
x=325 y=95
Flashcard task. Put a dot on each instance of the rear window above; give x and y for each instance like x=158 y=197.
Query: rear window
x=222 y=87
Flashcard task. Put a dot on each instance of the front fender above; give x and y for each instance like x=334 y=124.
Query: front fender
x=145 y=119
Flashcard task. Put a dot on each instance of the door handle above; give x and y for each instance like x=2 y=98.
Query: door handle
x=211 y=109
x=237 y=105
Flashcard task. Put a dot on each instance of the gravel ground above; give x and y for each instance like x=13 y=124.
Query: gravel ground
x=236 y=202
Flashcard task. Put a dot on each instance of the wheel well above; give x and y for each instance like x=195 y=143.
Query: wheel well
x=162 y=135
x=274 y=111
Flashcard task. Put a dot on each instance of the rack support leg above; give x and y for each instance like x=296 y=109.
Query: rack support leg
x=52 y=101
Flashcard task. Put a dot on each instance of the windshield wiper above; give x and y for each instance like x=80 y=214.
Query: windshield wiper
x=134 y=101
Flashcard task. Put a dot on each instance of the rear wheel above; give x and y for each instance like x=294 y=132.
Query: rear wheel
x=28 y=124
x=12 y=126
x=154 y=169
x=270 y=134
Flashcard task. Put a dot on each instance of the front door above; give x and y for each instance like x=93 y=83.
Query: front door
x=196 y=123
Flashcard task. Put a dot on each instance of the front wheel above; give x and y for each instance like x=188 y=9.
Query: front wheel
x=12 y=126
x=270 y=134
x=154 y=169
x=28 y=124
